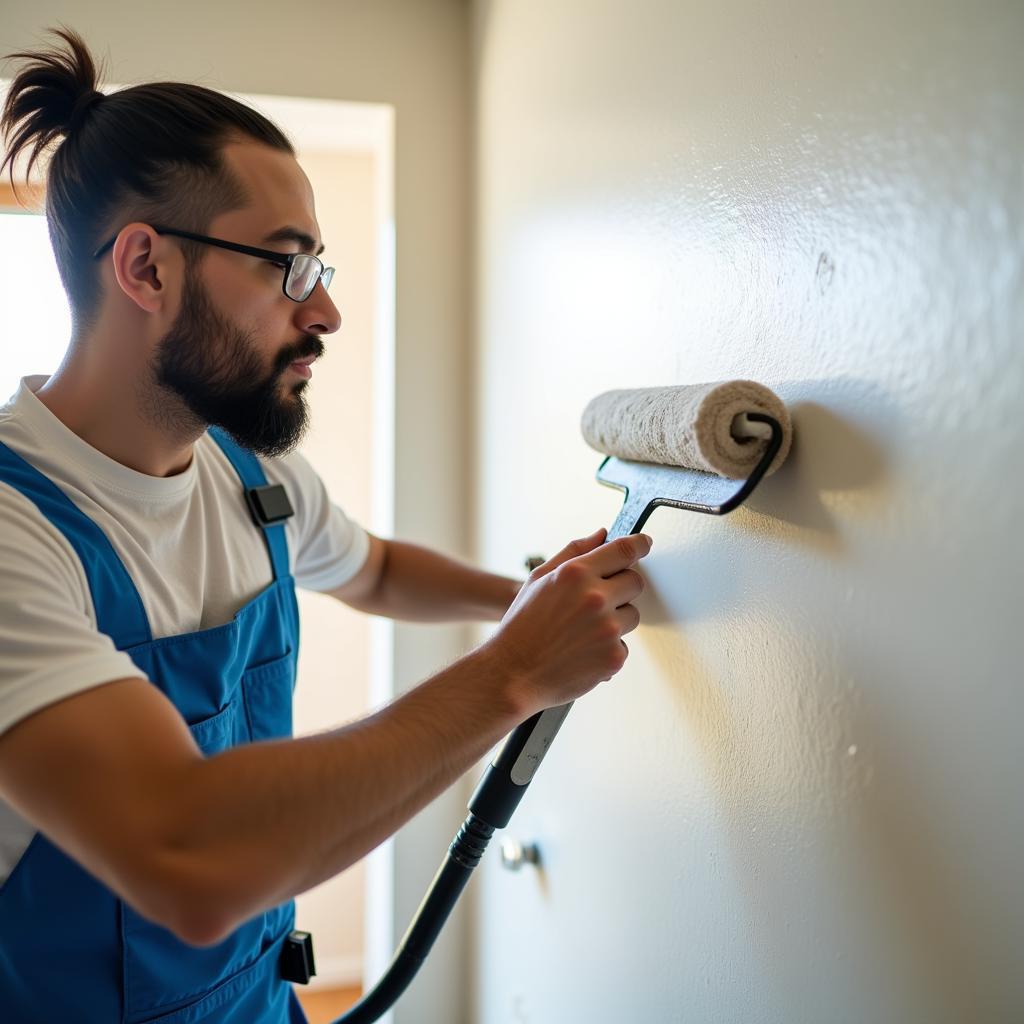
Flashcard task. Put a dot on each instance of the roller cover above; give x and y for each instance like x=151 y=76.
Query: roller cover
x=688 y=425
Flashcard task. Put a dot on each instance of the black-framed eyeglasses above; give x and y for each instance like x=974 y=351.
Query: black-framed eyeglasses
x=302 y=270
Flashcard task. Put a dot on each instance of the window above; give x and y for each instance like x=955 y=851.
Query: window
x=35 y=319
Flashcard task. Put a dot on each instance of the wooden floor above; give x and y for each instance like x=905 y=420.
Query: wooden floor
x=322 y=1007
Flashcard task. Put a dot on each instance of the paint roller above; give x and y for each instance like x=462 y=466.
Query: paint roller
x=683 y=447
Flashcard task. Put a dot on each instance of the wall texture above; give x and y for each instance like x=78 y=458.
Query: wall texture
x=800 y=800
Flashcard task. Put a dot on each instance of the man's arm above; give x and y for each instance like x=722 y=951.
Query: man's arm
x=406 y=581
x=114 y=778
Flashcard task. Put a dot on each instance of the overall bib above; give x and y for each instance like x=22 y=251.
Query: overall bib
x=70 y=950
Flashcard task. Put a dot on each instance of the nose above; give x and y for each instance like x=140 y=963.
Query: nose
x=318 y=314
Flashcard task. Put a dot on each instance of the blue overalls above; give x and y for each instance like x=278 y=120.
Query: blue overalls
x=70 y=950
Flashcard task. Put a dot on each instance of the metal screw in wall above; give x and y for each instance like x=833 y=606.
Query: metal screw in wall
x=514 y=854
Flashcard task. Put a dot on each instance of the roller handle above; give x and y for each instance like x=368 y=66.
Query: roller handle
x=504 y=782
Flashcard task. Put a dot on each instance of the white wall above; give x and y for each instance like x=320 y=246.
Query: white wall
x=414 y=55
x=800 y=801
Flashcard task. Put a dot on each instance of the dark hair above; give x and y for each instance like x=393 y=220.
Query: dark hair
x=150 y=152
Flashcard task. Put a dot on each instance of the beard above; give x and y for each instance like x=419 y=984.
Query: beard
x=216 y=370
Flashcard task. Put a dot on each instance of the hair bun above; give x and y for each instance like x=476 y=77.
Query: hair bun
x=48 y=98
x=83 y=105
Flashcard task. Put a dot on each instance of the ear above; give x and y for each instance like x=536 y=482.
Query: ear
x=143 y=264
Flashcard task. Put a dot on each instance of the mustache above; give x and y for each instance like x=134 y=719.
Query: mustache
x=309 y=345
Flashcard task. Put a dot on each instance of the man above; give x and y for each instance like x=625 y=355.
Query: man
x=155 y=520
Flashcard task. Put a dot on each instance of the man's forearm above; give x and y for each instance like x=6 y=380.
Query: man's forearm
x=421 y=585
x=260 y=823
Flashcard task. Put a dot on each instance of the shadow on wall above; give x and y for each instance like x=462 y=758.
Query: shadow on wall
x=834 y=452
x=835 y=462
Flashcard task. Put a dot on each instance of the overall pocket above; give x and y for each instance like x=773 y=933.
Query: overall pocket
x=267 y=695
x=162 y=973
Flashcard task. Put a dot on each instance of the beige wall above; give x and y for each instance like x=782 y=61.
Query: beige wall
x=412 y=54
x=800 y=801
x=334 y=659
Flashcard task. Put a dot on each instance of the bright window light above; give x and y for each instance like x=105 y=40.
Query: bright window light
x=35 y=319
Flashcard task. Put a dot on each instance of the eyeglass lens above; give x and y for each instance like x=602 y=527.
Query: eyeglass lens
x=302 y=277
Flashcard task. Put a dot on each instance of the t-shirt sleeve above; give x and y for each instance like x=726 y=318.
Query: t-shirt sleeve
x=325 y=546
x=51 y=648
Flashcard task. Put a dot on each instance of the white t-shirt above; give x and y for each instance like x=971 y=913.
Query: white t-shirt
x=188 y=543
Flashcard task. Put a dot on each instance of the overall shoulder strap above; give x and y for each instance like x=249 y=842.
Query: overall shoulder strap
x=250 y=472
x=118 y=606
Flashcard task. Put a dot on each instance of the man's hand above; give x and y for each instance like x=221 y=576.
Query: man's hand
x=563 y=633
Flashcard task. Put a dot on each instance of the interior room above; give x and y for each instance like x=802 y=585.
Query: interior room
x=797 y=800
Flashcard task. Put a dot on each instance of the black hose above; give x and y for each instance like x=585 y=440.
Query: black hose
x=463 y=856
x=491 y=806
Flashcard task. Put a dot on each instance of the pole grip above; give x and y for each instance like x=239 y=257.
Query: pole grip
x=503 y=784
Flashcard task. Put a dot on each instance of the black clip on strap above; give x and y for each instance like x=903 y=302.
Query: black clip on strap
x=269 y=504
x=297 y=963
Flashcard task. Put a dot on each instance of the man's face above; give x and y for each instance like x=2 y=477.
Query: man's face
x=217 y=369
x=236 y=350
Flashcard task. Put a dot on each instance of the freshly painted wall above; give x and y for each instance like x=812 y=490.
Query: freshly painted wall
x=800 y=801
